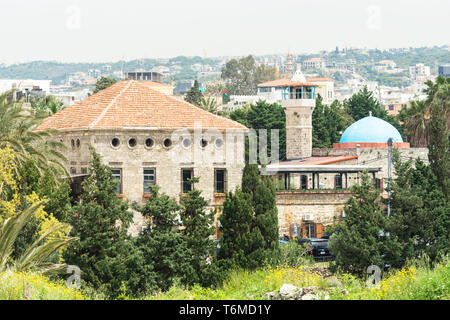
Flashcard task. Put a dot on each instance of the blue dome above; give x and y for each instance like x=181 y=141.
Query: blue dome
x=371 y=129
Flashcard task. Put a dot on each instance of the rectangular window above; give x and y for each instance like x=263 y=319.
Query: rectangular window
x=149 y=178
x=73 y=170
x=84 y=170
x=310 y=230
x=303 y=182
x=338 y=181
x=220 y=181
x=186 y=174
x=117 y=175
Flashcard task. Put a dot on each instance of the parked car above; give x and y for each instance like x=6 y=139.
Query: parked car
x=318 y=248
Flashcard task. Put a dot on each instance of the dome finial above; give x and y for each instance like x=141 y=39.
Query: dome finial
x=370 y=113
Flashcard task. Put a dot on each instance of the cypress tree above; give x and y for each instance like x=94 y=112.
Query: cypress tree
x=194 y=95
x=198 y=227
x=100 y=222
x=361 y=239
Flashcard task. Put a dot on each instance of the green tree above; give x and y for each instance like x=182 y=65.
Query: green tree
x=328 y=123
x=263 y=115
x=420 y=214
x=361 y=239
x=100 y=221
x=197 y=230
x=18 y=130
x=439 y=144
x=243 y=76
x=236 y=224
x=103 y=83
x=46 y=106
x=250 y=220
x=194 y=95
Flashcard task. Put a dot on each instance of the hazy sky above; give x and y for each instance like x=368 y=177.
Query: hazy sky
x=110 y=30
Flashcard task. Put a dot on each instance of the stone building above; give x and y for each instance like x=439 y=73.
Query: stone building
x=148 y=137
x=313 y=184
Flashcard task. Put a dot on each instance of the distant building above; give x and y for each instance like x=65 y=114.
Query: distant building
x=325 y=88
x=394 y=108
x=144 y=76
x=444 y=70
x=313 y=63
x=419 y=72
x=25 y=88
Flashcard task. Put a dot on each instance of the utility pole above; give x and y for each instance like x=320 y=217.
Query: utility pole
x=389 y=142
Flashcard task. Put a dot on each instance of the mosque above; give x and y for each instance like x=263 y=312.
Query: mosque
x=314 y=184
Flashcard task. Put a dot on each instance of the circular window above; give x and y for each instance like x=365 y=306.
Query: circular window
x=149 y=143
x=167 y=143
x=203 y=143
x=219 y=143
x=78 y=143
x=115 y=142
x=186 y=142
x=132 y=143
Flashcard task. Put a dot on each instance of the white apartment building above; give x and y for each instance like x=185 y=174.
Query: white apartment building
x=419 y=72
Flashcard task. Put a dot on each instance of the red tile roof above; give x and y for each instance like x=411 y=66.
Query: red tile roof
x=285 y=83
x=132 y=104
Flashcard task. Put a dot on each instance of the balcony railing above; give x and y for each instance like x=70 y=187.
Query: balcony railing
x=298 y=95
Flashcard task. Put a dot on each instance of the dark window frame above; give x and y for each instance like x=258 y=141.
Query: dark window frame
x=119 y=188
x=145 y=183
x=185 y=185
x=224 y=187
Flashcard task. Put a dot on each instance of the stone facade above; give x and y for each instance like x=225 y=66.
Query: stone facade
x=222 y=151
x=326 y=207
x=298 y=127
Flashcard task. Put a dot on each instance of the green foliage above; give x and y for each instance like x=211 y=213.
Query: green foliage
x=420 y=214
x=250 y=222
x=439 y=144
x=360 y=239
x=198 y=229
x=328 y=123
x=194 y=95
x=263 y=115
x=35 y=256
x=103 y=83
x=243 y=76
x=101 y=221
x=46 y=106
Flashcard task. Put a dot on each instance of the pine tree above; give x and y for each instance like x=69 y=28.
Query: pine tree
x=194 y=95
x=420 y=214
x=361 y=239
x=197 y=230
x=255 y=223
x=164 y=249
x=100 y=222
x=236 y=223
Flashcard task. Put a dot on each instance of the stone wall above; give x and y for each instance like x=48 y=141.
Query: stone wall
x=325 y=206
x=167 y=161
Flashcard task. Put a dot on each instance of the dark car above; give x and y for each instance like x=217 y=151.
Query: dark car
x=318 y=248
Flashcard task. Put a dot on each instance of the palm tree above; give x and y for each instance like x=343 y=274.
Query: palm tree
x=208 y=104
x=46 y=106
x=17 y=129
x=36 y=256
x=417 y=121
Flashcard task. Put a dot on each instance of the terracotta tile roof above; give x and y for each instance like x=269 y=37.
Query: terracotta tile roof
x=131 y=104
x=319 y=79
x=285 y=83
x=151 y=84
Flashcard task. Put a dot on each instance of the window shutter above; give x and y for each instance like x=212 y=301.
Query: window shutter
x=319 y=230
x=304 y=230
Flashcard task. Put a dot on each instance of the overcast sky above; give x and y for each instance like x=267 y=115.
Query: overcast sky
x=110 y=30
